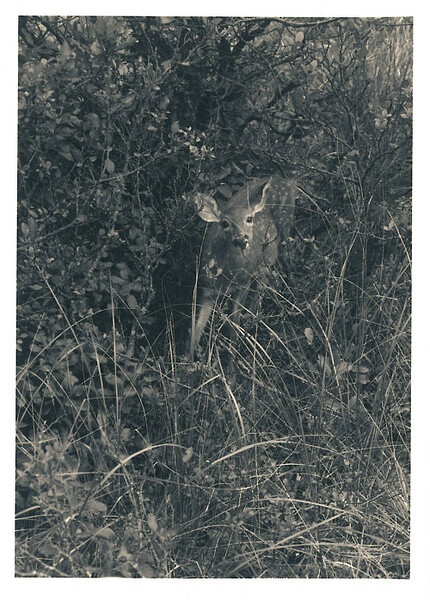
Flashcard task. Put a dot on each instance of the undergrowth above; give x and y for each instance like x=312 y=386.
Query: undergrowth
x=290 y=459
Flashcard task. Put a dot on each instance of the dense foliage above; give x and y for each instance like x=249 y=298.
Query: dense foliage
x=130 y=460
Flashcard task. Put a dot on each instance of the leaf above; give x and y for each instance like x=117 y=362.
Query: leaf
x=64 y=150
x=152 y=522
x=300 y=36
x=129 y=99
x=95 y=506
x=95 y=48
x=32 y=226
x=132 y=302
x=342 y=368
x=309 y=335
x=69 y=381
x=126 y=431
x=109 y=166
x=352 y=401
x=175 y=127
x=65 y=51
x=165 y=101
x=359 y=368
x=106 y=533
x=48 y=549
x=188 y=455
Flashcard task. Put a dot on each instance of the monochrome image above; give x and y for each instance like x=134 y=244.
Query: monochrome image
x=213 y=297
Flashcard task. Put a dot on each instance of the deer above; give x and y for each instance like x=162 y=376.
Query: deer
x=240 y=247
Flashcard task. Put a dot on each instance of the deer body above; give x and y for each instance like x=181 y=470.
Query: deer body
x=240 y=246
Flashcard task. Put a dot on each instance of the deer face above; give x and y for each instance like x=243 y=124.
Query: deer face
x=236 y=221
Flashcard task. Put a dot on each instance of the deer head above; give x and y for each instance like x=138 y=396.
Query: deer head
x=237 y=219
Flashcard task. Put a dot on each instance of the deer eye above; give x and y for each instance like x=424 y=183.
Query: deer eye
x=249 y=219
x=224 y=224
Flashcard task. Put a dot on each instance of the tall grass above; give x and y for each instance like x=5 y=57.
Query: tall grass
x=293 y=463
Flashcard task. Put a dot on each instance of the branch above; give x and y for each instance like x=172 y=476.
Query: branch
x=293 y=23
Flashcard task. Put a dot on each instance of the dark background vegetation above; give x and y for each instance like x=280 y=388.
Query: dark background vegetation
x=131 y=461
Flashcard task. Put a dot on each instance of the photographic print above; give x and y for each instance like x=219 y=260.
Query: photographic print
x=213 y=297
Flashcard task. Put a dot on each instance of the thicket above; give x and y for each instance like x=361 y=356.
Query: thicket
x=130 y=460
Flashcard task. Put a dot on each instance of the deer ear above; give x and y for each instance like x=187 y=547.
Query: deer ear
x=259 y=199
x=208 y=208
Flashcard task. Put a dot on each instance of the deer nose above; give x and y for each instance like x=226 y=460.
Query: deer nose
x=241 y=242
